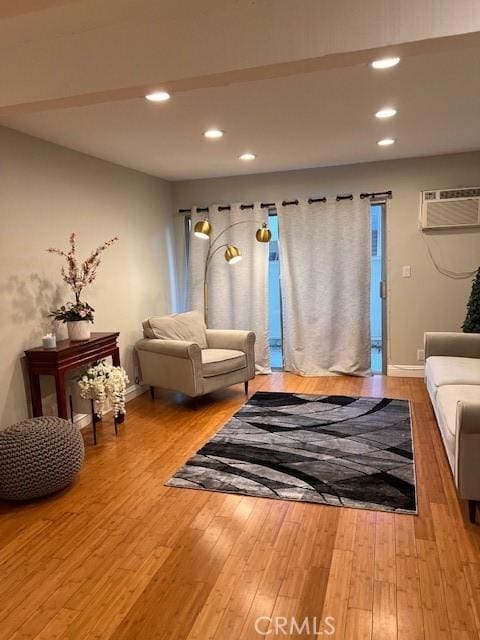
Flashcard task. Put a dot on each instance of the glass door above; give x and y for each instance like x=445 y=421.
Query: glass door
x=377 y=292
x=274 y=297
x=377 y=287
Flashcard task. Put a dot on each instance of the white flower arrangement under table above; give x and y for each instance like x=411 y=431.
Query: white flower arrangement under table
x=100 y=383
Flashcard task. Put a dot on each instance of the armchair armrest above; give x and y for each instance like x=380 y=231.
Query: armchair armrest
x=230 y=339
x=175 y=348
x=170 y=364
x=450 y=343
x=468 y=449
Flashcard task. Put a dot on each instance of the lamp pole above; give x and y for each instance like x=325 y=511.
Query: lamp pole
x=212 y=250
x=210 y=255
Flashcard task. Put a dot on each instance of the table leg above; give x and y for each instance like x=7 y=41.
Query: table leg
x=94 y=422
x=35 y=394
x=61 y=399
x=116 y=363
x=116 y=357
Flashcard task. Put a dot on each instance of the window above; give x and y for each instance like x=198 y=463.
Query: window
x=274 y=297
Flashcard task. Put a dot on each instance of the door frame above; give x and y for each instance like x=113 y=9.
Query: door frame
x=384 y=282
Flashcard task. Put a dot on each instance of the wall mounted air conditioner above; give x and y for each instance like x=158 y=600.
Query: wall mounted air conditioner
x=450 y=208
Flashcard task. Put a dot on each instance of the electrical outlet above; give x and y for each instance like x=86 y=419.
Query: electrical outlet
x=420 y=355
x=406 y=271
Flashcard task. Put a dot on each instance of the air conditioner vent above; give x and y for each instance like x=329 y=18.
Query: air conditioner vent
x=459 y=193
x=450 y=208
x=452 y=214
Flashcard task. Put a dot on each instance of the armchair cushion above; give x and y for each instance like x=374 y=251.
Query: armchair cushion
x=189 y=327
x=219 y=361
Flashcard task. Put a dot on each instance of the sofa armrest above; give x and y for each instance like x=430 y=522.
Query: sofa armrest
x=449 y=343
x=175 y=348
x=230 y=339
x=467 y=476
x=468 y=416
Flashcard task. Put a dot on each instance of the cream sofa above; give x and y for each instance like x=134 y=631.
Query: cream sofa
x=178 y=352
x=452 y=374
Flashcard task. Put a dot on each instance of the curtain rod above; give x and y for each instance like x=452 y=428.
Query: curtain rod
x=286 y=203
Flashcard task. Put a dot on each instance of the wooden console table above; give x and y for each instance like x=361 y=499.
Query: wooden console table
x=66 y=356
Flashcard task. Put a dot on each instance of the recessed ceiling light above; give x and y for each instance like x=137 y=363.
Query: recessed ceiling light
x=388 y=112
x=385 y=63
x=386 y=142
x=247 y=156
x=158 y=96
x=213 y=133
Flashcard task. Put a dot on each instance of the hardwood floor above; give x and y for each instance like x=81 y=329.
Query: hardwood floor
x=121 y=556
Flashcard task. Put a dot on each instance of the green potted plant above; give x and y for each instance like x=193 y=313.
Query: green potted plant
x=78 y=315
x=472 y=321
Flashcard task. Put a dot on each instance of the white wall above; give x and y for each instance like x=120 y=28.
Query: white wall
x=428 y=301
x=46 y=192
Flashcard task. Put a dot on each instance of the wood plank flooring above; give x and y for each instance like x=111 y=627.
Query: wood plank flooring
x=120 y=556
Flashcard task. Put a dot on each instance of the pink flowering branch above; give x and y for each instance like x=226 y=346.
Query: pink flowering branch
x=79 y=275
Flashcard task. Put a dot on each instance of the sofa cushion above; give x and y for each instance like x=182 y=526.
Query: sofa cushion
x=448 y=397
x=188 y=326
x=219 y=361
x=448 y=370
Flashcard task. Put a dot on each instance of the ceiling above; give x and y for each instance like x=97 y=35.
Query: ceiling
x=294 y=107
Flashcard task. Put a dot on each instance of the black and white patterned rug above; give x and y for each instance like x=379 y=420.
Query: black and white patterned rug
x=337 y=450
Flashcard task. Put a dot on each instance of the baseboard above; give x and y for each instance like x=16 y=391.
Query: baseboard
x=406 y=371
x=135 y=390
x=82 y=420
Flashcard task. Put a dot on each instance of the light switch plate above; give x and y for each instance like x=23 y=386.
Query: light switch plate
x=406 y=271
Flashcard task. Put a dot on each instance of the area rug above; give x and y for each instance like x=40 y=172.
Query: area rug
x=336 y=450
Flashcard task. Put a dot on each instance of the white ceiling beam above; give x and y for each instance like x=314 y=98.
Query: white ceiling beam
x=78 y=53
x=335 y=61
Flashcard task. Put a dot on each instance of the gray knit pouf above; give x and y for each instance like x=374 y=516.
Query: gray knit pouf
x=38 y=457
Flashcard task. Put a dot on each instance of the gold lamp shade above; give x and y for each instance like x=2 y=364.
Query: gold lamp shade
x=232 y=254
x=264 y=234
x=202 y=229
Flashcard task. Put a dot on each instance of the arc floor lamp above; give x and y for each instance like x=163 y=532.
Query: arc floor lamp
x=203 y=229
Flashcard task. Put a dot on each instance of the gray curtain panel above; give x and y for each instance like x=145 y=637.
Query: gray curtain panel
x=238 y=293
x=325 y=278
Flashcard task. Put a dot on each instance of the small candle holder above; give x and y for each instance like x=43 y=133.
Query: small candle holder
x=49 y=341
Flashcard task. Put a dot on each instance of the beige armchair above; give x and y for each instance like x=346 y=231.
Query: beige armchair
x=178 y=352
